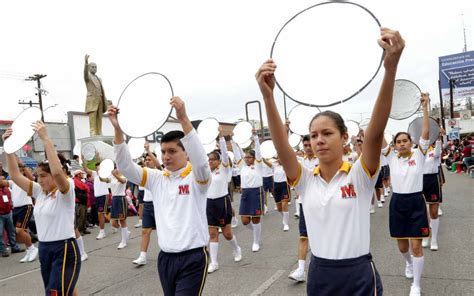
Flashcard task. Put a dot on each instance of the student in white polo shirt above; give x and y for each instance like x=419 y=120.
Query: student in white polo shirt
x=335 y=195
x=408 y=214
x=54 y=217
x=268 y=183
x=101 y=190
x=118 y=213
x=148 y=212
x=432 y=191
x=22 y=212
x=219 y=207
x=310 y=161
x=252 y=201
x=281 y=192
x=179 y=199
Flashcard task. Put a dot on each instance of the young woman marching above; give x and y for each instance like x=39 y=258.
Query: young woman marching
x=408 y=217
x=335 y=195
x=251 y=203
x=118 y=184
x=432 y=191
x=281 y=192
x=54 y=216
x=219 y=208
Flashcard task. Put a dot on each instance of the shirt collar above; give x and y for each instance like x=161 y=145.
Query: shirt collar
x=409 y=156
x=183 y=172
x=345 y=167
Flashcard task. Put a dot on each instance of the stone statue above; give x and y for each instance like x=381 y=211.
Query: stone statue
x=96 y=103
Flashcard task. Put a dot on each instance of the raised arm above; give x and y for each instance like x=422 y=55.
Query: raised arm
x=223 y=146
x=59 y=177
x=266 y=82
x=119 y=176
x=258 y=153
x=393 y=45
x=237 y=152
x=425 y=131
x=86 y=68
x=152 y=156
x=84 y=166
x=13 y=169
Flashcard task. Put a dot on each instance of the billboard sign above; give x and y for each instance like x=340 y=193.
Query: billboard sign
x=460 y=68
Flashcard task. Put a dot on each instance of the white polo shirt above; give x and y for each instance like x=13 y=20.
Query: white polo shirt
x=100 y=188
x=406 y=174
x=220 y=176
x=432 y=159
x=117 y=188
x=350 y=157
x=54 y=213
x=179 y=198
x=250 y=176
x=337 y=214
x=310 y=163
x=279 y=175
x=266 y=170
x=235 y=170
x=19 y=196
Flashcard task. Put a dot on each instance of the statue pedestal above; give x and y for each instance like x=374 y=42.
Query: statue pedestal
x=103 y=145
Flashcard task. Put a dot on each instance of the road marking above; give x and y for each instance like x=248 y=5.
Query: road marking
x=18 y=275
x=263 y=287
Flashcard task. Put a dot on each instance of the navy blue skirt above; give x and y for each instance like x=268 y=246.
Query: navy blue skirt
x=219 y=211
x=119 y=208
x=355 y=277
x=251 y=202
x=408 y=216
x=432 y=188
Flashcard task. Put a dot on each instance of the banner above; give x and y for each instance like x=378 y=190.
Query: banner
x=460 y=68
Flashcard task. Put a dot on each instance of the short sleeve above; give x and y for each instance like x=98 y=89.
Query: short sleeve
x=302 y=179
x=362 y=177
x=424 y=145
x=34 y=189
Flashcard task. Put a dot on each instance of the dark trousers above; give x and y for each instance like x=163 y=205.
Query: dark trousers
x=81 y=217
x=6 y=223
x=94 y=215
x=183 y=273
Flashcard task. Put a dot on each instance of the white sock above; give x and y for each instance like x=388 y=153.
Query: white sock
x=285 y=218
x=434 y=229
x=214 y=249
x=102 y=231
x=124 y=234
x=297 y=205
x=31 y=248
x=249 y=226
x=418 y=263
x=80 y=243
x=301 y=264
x=407 y=257
x=257 y=232
x=143 y=254
x=234 y=243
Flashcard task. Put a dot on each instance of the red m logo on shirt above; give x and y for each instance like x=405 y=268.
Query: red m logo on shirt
x=183 y=189
x=348 y=191
x=411 y=162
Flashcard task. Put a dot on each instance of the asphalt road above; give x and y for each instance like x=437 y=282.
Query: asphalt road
x=449 y=271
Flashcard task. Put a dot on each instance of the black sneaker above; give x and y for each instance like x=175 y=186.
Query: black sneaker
x=18 y=250
x=5 y=254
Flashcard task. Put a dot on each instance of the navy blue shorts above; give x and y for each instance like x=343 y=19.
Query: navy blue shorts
x=379 y=183
x=282 y=191
x=141 y=195
x=236 y=180
x=386 y=172
x=22 y=216
x=432 y=188
x=268 y=184
x=183 y=273
x=251 y=202
x=441 y=175
x=148 y=215
x=408 y=216
x=60 y=263
x=355 y=277
x=302 y=224
x=219 y=211
x=119 y=208
x=100 y=203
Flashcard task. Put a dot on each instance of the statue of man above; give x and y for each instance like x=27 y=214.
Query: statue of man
x=96 y=103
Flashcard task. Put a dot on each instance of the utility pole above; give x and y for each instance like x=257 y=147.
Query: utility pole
x=37 y=78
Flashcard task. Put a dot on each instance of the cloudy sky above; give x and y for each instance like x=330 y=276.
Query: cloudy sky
x=208 y=49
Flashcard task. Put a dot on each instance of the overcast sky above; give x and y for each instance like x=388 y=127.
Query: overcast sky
x=209 y=50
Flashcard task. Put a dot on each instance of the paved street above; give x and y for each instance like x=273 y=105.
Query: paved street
x=449 y=271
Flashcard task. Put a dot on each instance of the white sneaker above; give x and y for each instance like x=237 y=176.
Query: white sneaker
x=212 y=267
x=388 y=189
x=425 y=242
x=440 y=212
x=33 y=255
x=289 y=203
x=297 y=215
x=415 y=291
x=238 y=255
x=114 y=230
x=101 y=235
x=265 y=210
x=286 y=227
x=382 y=198
x=409 y=271
x=276 y=208
x=297 y=275
x=434 y=245
x=140 y=260
x=372 y=209
x=121 y=245
x=234 y=222
x=385 y=194
x=255 y=247
x=139 y=224
x=380 y=204
x=84 y=257
x=220 y=230
x=25 y=258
